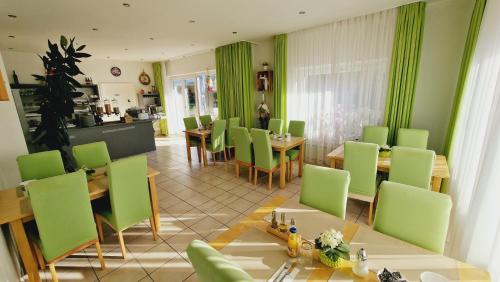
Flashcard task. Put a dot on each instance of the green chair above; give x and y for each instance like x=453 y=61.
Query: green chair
x=217 y=140
x=190 y=123
x=232 y=123
x=129 y=198
x=40 y=165
x=265 y=159
x=275 y=126
x=205 y=120
x=414 y=138
x=413 y=215
x=411 y=166
x=360 y=159
x=296 y=129
x=243 y=150
x=91 y=155
x=64 y=221
x=212 y=266
x=375 y=134
x=325 y=189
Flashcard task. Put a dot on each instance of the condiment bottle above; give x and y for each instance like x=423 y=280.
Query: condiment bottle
x=283 y=227
x=293 y=243
x=274 y=221
x=360 y=266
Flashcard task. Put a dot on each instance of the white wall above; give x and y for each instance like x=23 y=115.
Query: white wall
x=191 y=64
x=11 y=145
x=445 y=31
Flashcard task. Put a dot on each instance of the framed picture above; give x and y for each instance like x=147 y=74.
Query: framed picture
x=144 y=78
x=116 y=71
x=3 y=89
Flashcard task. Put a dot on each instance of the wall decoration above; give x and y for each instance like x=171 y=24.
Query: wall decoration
x=3 y=90
x=116 y=71
x=144 y=78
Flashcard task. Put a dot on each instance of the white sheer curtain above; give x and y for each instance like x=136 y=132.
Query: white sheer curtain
x=176 y=105
x=337 y=79
x=475 y=159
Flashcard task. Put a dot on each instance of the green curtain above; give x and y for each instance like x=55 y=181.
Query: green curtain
x=235 y=82
x=159 y=87
x=404 y=68
x=279 y=81
x=470 y=46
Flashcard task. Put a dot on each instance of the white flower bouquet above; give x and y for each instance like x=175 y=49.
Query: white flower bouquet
x=332 y=248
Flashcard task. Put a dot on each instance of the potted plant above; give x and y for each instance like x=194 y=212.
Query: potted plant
x=56 y=95
x=384 y=151
x=332 y=248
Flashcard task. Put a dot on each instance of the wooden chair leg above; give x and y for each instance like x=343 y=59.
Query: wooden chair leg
x=122 y=244
x=213 y=157
x=198 y=149
x=225 y=157
x=39 y=256
x=99 y=255
x=255 y=177
x=291 y=169
x=237 y=168
x=98 y=222
x=153 y=228
x=229 y=153
x=53 y=272
x=250 y=174
x=370 y=212
x=270 y=180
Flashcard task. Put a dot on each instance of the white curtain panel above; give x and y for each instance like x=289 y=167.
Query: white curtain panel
x=176 y=106
x=337 y=78
x=474 y=234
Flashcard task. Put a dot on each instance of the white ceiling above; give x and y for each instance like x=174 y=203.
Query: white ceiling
x=167 y=21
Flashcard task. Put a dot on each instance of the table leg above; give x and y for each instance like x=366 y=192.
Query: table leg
x=301 y=159
x=436 y=184
x=188 y=147
x=282 y=168
x=332 y=163
x=204 y=149
x=24 y=250
x=154 y=203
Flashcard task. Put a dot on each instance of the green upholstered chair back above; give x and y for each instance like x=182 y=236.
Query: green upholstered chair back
x=212 y=266
x=263 y=151
x=242 y=144
x=232 y=123
x=415 y=138
x=40 y=165
x=360 y=159
x=275 y=126
x=63 y=214
x=411 y=166
x=92 y=155
x=205 y=120
x=217 y=138
x=413 y=215
x=375 y=134
x=128 y=191
x=325 y=189
x=296 y=128
x=190 y=123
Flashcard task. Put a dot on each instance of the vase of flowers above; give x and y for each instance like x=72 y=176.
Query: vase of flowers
x=384 y=151
x=332 y=248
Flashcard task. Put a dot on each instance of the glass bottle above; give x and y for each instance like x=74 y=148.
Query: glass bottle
x=283 y=227
x=293 y=243
x=360 y=265
x=107 y=107
x=116 y=109
x=100 y=108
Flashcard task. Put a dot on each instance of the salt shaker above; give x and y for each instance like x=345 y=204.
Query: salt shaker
x=360 y=266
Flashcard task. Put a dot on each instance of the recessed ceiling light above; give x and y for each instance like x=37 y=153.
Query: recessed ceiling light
x=95 y=29
x=12 y=16
x=127 y=5
x=10 y=48
x=126 y=49
x=302 y=12
x=107 y=57
x=192 y=44
x=192 y=21
x=12 y=36
x=235 y=32
x=151 y=38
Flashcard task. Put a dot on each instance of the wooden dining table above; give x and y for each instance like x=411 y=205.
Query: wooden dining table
x=283 y=145
x=15 y=209
x=202 y=134
x=261 y=253
x=440 y=169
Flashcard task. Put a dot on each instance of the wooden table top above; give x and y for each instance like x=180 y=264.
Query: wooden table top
x=440 y=168
x=198 y=132
x=261 y=254
x=15 y=205
x=286 y=145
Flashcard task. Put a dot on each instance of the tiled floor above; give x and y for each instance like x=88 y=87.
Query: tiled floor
x=196 y=203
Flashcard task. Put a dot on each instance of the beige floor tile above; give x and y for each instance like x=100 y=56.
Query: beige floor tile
x=175 y=270
x=132 y=271
x=210 y=206
x=191 y=217
x=226 y=198
x=254 y=196
x=155 y=257
x=207 y=226
x=240 y=205
x=179 y=208
x=224 y=215
x=181 y=240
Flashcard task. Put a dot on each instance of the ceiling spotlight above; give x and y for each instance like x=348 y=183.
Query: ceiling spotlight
x=107 y=57
x=192 y=44
x=126 y=5
x=126 y=49
x=95 y=29
x=302 y=12
x=12 y=16
x=235 y=32
x=151 y=38
x=192 y=21
x=10 y=48
x=12 y=36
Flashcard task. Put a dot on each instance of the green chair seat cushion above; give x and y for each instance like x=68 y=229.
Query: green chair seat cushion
x=276 y=160
x=212 y=266
x=293 y=154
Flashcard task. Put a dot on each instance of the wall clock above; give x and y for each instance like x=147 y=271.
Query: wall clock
x=116 y=71
x=144 y=78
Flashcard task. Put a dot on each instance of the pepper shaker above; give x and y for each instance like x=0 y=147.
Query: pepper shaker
x=360 y=266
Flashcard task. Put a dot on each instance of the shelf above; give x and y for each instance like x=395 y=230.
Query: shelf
x=151 y=95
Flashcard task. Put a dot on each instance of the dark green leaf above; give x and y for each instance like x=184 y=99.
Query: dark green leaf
x=81 y=55
x=64 y=41
x=80 y=48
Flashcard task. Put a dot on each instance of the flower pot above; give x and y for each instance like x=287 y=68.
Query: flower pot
x=329 y=262
x=384 y=154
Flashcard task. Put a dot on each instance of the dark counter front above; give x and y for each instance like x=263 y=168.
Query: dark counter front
x=123 y=139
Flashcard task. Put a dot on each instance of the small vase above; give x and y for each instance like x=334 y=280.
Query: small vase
x=329 y=262
x=384 y=154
